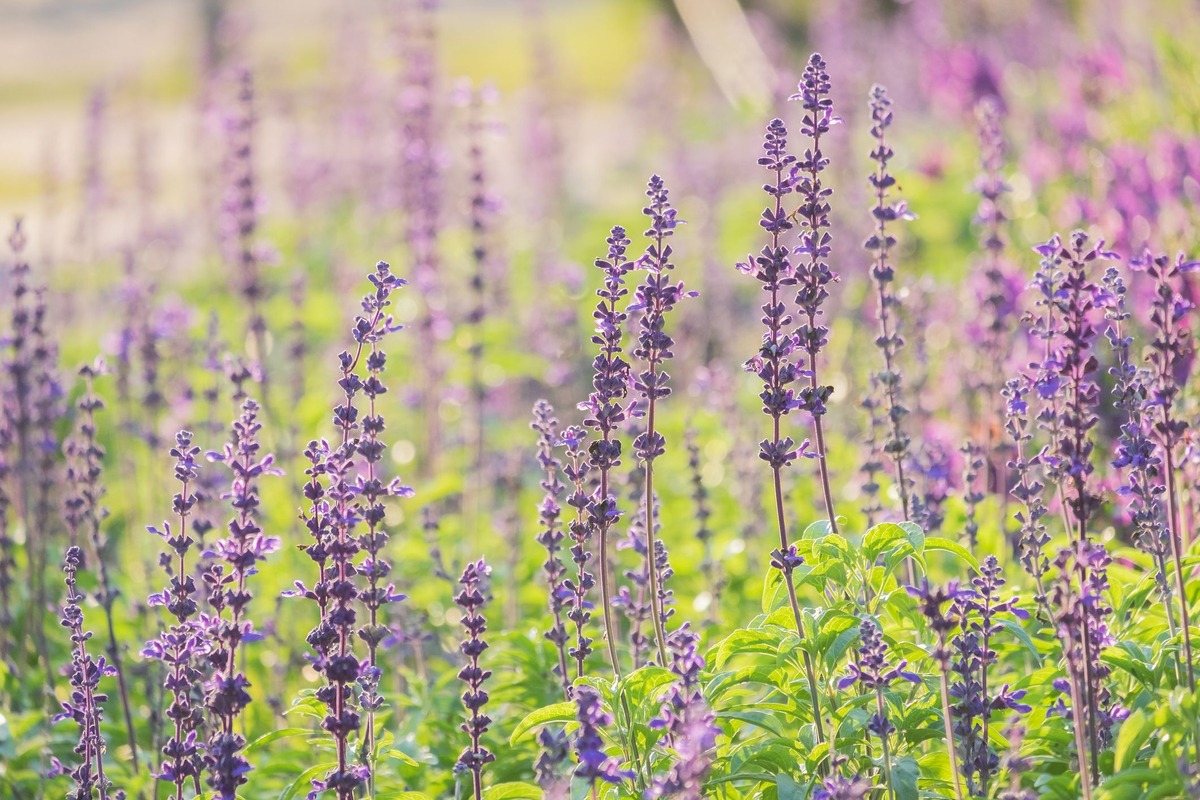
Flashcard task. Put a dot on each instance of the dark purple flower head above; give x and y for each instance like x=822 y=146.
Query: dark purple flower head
x=471 y=600
x=85 y=704
x=594 y=763
x=688 y=724
x=836 y=787
x=551 y=534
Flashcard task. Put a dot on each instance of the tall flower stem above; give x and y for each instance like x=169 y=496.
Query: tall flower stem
x=654 y=298
x=814 y=275
x=606 y=412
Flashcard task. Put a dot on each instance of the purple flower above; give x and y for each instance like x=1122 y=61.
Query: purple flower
x=1029 y=491
x=85 y=704
x=655 y=297
x=471 y=600
x=237 y=557
x=183 y=644
x=889 y=341
x=594 y=763
x=551 y=535
x=688 y=724
x=576 y=470
x=607 y=410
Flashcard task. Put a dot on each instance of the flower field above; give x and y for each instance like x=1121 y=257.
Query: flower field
x=600 y=399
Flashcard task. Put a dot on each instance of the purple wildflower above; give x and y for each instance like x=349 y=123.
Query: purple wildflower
x=1135 y=455
x=83 y=514
x=576 y=470
x=813 y=273
x=183 y=643
x=710 y=567
x=471 y=600
x=1028 y=489
x=86 y=703
x=889 y=341
x=873 y=671
x=975 y=702
x=940 y=607
x=654 y=298
x=551 y=535
x=1170 y=359
x=594 y=763
x=1015 y=764
x=226 y=694
x=688 y=724
x=607 y=410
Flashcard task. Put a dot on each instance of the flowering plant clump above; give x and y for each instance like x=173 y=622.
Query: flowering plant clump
x=934 y=541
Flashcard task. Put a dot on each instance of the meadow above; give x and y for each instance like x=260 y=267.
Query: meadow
x=603 y=400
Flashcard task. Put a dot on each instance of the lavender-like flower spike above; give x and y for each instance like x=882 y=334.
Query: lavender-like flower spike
x=875 y=673
x=237 y=558
x=710 y=567
x=938 y=606
x=975 y=699
x=85 y=705
x=576 y=469
x=607 y=410
x=551 y=535
x=813 y=273
x=7 y=563
x=83 y=514
x=889 y=341
x=1074 y=365
x=1135 y=455
x=1080 y=627
x=183 y=644
x=974 y=461
x=471 y=600
x=556 y=748
x=594 y=763
x=655 y=297
x=688 y=724
x=1016 y=764
x=996 y=297
x=836 y=787
x=370 y=489
x=1028 y=489
x=774 y=364
x=1170 y=358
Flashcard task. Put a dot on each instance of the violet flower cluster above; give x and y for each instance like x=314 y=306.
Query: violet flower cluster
x=813 y=274
x=607 y=410
x=581 y=584
x=1028 y=489
x=594 y=764
x=183 y=644
x=655 y=297
x=471 y=600
x=975 y=699
x=1170 y=362
x=687 y=723
x=889 y=341
x=85 y=704
x=236 y=558
x=1136 y=456
x=551 y=535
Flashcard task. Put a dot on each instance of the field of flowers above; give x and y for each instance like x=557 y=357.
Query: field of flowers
x=787 y=401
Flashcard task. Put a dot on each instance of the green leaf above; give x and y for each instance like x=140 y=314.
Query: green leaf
x=512 y=791
x=304 y=782
x=1134 y=733
x=916 y=536
x=905 y=772
x=1022 y=636
x=401 y=756
x=556 y=712
x=644 y=685
x=817 y=530
x=406 y=796
x=786 y=788
x=274 y=736
x=882 y=538
x=937 y=543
